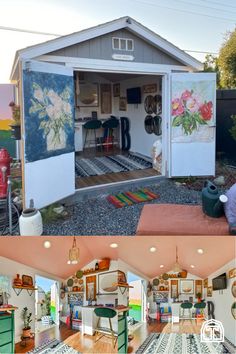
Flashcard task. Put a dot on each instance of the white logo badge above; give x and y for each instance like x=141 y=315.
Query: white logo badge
x=212 y=331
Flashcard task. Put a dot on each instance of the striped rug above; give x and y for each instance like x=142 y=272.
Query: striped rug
x=129 y=198
x=98 y=166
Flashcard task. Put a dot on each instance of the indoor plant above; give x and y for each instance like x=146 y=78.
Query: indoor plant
x=26 y=316
x=15 y=126
x=199 y=297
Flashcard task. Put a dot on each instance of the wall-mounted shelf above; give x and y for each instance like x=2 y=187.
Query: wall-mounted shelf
x=74 y=292
x=96 y=271
x=123 y=287
x=18 y=289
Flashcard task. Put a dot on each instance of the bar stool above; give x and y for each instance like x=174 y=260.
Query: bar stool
x=200 y=306
x=109 y=125
x=186 y=306
x=92 y=125
x=105 y=312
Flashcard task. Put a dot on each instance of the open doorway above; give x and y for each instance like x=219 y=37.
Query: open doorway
x=126 y=110
x=137 y=302
x=46 y=304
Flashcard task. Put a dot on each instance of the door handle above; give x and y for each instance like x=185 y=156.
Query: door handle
x=211 y=126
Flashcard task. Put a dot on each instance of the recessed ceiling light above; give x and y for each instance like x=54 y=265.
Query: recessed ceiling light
x=152 y=249
x=113 y=245
x=47 y=244
x=200 y=251
x=192 y=266
x=161 y=266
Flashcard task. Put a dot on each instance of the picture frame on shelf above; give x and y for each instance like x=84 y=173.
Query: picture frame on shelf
x=107 y=283
x=27 y=280
x=174 y=288
x=91 y=288
x=116 y=90
x=187 y=286
x=209 y=291
x=5 y=284
x=88 y=95
x=205 y=283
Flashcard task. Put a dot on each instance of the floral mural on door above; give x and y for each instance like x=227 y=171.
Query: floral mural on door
x=192 y=111
x=49 y=115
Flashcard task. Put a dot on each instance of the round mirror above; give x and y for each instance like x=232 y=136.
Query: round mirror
x=148 y=124
x=157 y=104
x=109 y=283
x=233 y=310
x=157 y=120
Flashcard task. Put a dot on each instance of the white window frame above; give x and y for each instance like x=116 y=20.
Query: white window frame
x=126 y=44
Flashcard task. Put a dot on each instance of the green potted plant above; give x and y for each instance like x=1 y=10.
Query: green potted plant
x=199 y=297
x=16 y=125
x=26 y=316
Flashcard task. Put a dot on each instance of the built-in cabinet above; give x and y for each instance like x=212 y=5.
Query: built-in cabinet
x=7 y=330
x=123 y=331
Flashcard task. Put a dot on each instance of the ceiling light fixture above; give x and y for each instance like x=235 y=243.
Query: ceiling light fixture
x=176 y=267
x=73 y=253
x=192 y=266
x=47 y=244
x=152 y=249
x=200 y=251
x=113 y=245
x=161 y=266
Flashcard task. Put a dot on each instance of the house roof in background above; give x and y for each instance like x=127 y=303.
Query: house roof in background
x=124 y=22
x=133 y=251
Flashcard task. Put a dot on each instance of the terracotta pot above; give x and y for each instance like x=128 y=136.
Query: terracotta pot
x=27 y=333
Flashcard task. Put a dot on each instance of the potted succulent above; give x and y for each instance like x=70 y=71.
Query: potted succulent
x=26 y=316
x=15 y=126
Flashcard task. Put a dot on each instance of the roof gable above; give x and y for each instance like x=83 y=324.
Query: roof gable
x=100 y=30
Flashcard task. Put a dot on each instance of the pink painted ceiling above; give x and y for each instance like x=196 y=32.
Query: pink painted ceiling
x=132 y=250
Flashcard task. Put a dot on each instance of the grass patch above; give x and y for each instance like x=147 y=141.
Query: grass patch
x=49 y=215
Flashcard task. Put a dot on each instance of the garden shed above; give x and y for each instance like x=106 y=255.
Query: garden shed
x=119 y=71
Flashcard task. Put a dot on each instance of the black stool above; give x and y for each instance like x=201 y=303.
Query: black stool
x=92 y=125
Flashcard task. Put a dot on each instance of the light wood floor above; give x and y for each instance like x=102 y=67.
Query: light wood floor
x=84 y=344
x=143 y=332
x=82 y=182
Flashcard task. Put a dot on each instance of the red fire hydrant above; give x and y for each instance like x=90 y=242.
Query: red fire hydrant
x=5 y=160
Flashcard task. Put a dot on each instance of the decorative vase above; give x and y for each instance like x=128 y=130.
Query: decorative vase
x=17 y=281
x=56 y=141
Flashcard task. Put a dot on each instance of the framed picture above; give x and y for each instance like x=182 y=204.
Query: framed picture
x=186 y=286
x=205 y=283
x=5 y=284
x=107 y=283
x=232 y=273
x=151 y=88
x=174 y=289
x=88 y=95
x=116 y=90
x=27 y=280
x=198 y=287
x=209 y=291
x=106 y=101
x=123 y=104
x=91 y=288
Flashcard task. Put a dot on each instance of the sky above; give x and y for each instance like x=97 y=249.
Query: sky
x=198 y=25
x=44 y=283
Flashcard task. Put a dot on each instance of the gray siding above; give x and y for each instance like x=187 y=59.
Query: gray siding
x=101 y=48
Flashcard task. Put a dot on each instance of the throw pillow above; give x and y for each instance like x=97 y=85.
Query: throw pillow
x=230 y=209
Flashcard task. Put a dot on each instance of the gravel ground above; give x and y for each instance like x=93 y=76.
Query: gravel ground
x=98 y=217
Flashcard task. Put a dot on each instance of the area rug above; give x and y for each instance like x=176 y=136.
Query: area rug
x=129 y=198
x=98 y=166
x=54 y=346
x=166 y=343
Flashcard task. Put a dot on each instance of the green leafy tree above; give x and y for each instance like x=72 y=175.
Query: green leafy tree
x=227 y=61
x=211 y=65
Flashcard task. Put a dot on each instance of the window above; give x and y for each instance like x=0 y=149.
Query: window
x=122 y=44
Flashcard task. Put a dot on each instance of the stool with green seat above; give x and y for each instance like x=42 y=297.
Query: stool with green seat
x=200 y=306
x=109 y=125
x=92 y=126
x=186 y=306
x=108 y=313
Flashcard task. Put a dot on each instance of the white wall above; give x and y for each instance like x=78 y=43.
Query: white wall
x=223 y=300
x=141 y=141
x=11 y=268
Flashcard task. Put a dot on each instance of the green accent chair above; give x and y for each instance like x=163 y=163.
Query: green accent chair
x=91 y=126
x=186 y=307
x=200 y=306
x=108 y=313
